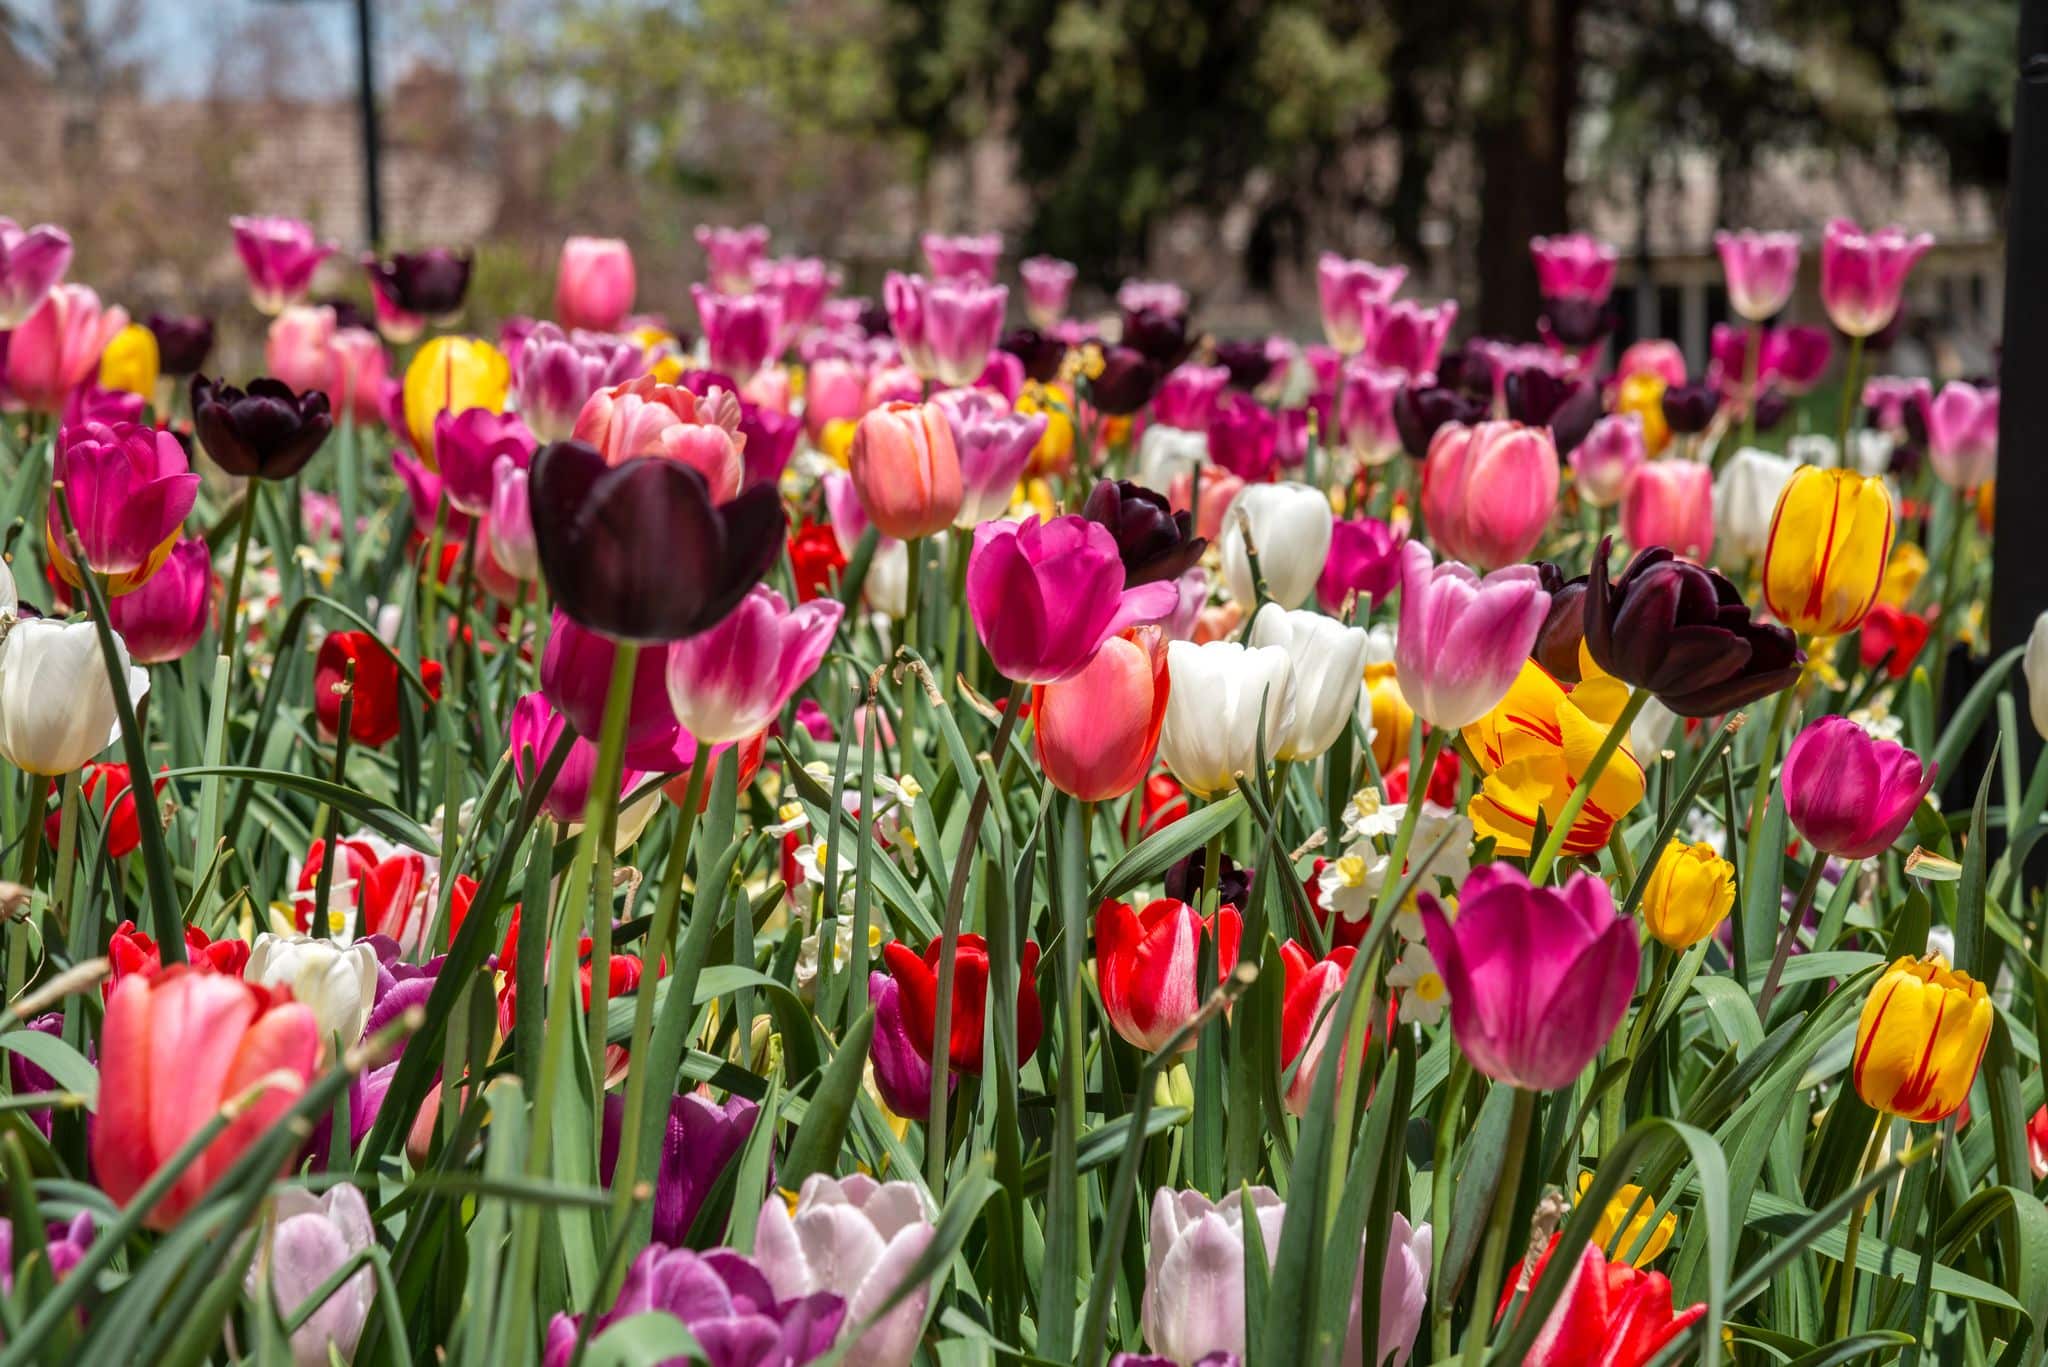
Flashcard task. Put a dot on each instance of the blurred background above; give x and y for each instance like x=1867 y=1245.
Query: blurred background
x=1222 y=143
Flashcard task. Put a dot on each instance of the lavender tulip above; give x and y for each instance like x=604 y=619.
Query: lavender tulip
x=994 y=445
x=308 y=1240
x=856 y=1238
x=1047 y=283
x=1463 y=638
x=725 y=1302
x=555 y=374
x=1044 y=597
x=1194 y=1275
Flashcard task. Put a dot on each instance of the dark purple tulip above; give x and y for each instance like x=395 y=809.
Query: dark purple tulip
x=1154 y=541
x=1040 y=354
x=771 y=441
x=347 y=313
x=1683 y=632
x=265 y=432
x=902 y=1075
x=638 y=551
x=1771 y=408
x=1467 y=369
x=1419 y=410
x=701 y=1141
x=431 y=283
x=26 y=1077
x=1233 y=884
x=182 y=341
x=1578 y=322
x=1569 y=408
x=1126 y=382
x=1690 y=407
x=874 y=319
x=1161 y=336
x=1557 y=644
x=1250 y=361
x=702 y=382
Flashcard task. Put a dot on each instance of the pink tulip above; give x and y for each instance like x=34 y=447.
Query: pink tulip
x=176 y=1047
x=834 y=389
x=1347 y=290
x=1365 y=559
x=733 y=680
x=128 y=490
x=742 y=332
x=647 y=418
x=1488 y=490
x=469 y=445
x=89 y=403
x=1849 y=794
x=1795 y=358
x=554 y=374
x=535 y=730
x=994 y=445
x=1539 y=977
x=1574 y=266
x=1962 y=433
x=358 y=368
x=1220 y=489
x=1096 y=733
x=961 y=321
x=1244 y=437
x=1462 y=638
x=510 y=524
x=1605 y=462
x=1404 y=335
x=1158 y=296
x=1761 y=269
x=1045 y=597
x=1047 y=283
x=1862 y=275
x=1671 y=503
x=1890 y=397
x=730 y=254
x=907 y=470
x=164 y=618
x=800 y=284
x=297 y=348
x=32 y=261
x=1187 y=396
x=576 y=672
x=968 y=257
x=1657 y=356
x=1365 y=411
x=594 y=284
x=424 y=496
x=893 y=384
x=57 y=348
x=280 y=256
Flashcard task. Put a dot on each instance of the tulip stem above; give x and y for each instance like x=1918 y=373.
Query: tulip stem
x=1845 y=1304
x=913 y=623
x=1790 y=934
x=323 y=883
x=1488 y=1288
x=231 y=609
x=1752 y=358
x=1851 y=369
x=1958 y=530
x=1760 y=795
x=1560 y=830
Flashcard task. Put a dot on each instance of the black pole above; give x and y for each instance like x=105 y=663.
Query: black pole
x=366 y=94
x=2019 y=572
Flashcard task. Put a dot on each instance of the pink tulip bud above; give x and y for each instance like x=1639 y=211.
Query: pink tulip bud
x=1463 y=639
x=1405 y=335
x=164 y=618
x=296 y=350
x=1652 y=356
x=834 y=388
x=731 y=681
x=128 y=490
x=742 y=332
x=280 y=256
x=1187 y=396
x=1608 y=458
x=1671 y=503
x=1574 y=266
x=470 y=444
x=1488 y=490
x=1347 y=290
x=730 y=254
x=1047 y=283
x=1962 y=433
x=1863 y=275
x=800 y=284
x=32 y=261
x=358 y=369
x=1365 y=411
x=511 y=521
x=906 y=469
x=594 y=284
x=1848 y=793
x=57 y=348
x=1762 y=269
x=969 y=257
x=1045 y=597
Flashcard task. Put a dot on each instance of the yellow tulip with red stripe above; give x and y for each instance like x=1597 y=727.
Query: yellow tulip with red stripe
x=1535 y=747
x=1829 y=540
x=1921 y=1038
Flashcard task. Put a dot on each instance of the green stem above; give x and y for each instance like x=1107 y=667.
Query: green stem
x=913 y=626
x=1949 y=599
x=1583 y=788
x=1851 y=369
x=1790 y=935
x=1440 y=1201
x=1845 y=1305
x=1478 y=1327
x=1404 y=835
x=1760 y=797
x=231 y=610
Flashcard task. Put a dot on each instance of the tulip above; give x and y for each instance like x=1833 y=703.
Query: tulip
x=1044 y=597
x=1187 y=397
x=1848 y=794
x=575 y=674
x=1216 y=698
x=379 y=688
x=1535 y=750
x=1761 y=269
x=131 y=364
x=1488 y=491
x=1364 y=558
x=1153 y=541
x=859 y=1239
x=1962 y=433
x=1347 y=291
x=1539 y=977
x=429 y=284
x=2034 y=664
x=732 y=680
x=1671 y=503
x=1096 y=733
x=1608 y=458
x=641 y=551
x=918 y=980
x=1609 y=1313
x=1745 y=495
x=730 y=254
x=1366 y=400
x=1327 y=662
x=56 y=700
x=903 y=1075
x=1289 y=527
x=1689 y=408
x=993 y=444
x=594 y=284
x=1193 y=1304
x=307 y=1240
x=1307 y=1016
x=1920 y=1039
x=1682 y=632
x=1892 y=399
x=965 y=256
x=57 y=347
x=280 y=256
x=742 y=332
x=1162 y=297
x=182 y=341
x=1564 y=625
x=1124 y=382
x=337 y=983
x=267 y=432
x=376 y=889
x=645 y=417
x=469 y=446
x=1463 y=638
x=451 y=375
x=1047 y=283
x=1244 y=437
x=1538 y=397
x=1689 y=894
x=1863 y=274
x=127 y=490
x=1254 y=363
x=722 y=1298
x=700 y=1141
x=296 y=347
x=1422 y=410
x=1146 y=966
x=175 y=1047
x=799 y=284
x=1825 y=557
x=1404 y=335
x=555 y=374
x=1656 y=356
x=32 y=261
x=535 y=729
x=109 y=795
x=358 y=374
x=1574 y=266
x=1794 y=358
x=1404 y=1293
x=1894 y=638
x=906 y=470
x=1642 y=396
x=165 y=616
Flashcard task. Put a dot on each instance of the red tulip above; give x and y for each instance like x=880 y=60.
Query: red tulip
x=1892 y=637
x=1146 y=965
x=816 y=560
x=1162 y=803
x=176 y=1047
x=379 y=688
x=371 y=893
x=1306 y=1013
x=132 y=952
x=1612 y=1313
x=919 y=982
x=106 y=788
x=1098 y=730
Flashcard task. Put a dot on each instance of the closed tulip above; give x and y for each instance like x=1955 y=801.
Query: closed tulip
x=1488 y=491
x=1218 y=693
x=1290 y=527
x=699 y=1142
x=297 y=347
x=994 y=444
x=594 y=284
x=32 y=261
x=859 y=1239
x=962 y=256
x=1307 y=1017
x=182 y=341
x=379 y=691
x=1045 y=597
x=1920 y=1039
x=165 y=616
x=903 y=1075
x=1403 y=335
x=554 y=374
x=451 y=375
x=1193 y=1304
x=535 y=729
x=1366 y=400
x=265 y=432
x=1047 y=283
x=57 y=347
x=576 y=672
x=1683 y=632
x=306 y=1242
x=1347 y=290
x=742 y=332
x=1671 y=503
x=1539 y=977
x=1848 y=793
x=906 y=470
x=1462 y=638
x=127 y=490
x=1893 y=638
x=469 y=445
x=1689 y=894
x=107 y=794
x=1745 y=496
x=1421 y=410
x=1609 y=1313
x=56 y=702
x=1145 y=966
x=1244 y=437
x=1607 y=460
x=176 y=1046
x=1328 y=667
x=1096 y=733
x=1825 y=559
x=429 y=284
x=280 y=255
x=918 y=978
x=337 y=982
x=2034 y=664
x=1154 y=541
x=1863 y=275
x=732 y=680
x=1962 y=434
x=730 y=254
x=131 y=364
x=1761 y=269
x=1364 y=559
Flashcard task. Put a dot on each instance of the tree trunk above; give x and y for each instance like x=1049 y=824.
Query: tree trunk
x=1521 y=144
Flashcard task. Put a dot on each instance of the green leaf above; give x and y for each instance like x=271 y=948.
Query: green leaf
x=1161 y=850
x=818 y=1139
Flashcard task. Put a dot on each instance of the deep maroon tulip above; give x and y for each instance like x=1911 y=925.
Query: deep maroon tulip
x=1557 y=644
x=1040 y=354
x=1161 y=336
x=1683 y=632
x=347 y=313
x=1569 y=408
x=1690 y=407
x=265 y=432
x=1771 y=409
x=1126 y=382
x=1419 y=410
x=1251 y=361
x=1185 y=879
x=1578 y=322
x=182 y=341
x=1155 y=542
x=431 y=283
x=638 y=551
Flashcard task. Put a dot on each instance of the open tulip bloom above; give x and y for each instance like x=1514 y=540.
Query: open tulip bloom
x=830 y=829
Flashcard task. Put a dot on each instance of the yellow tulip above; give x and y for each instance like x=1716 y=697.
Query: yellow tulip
x=1902 y=574
x=130 y=362
x=1689 y=893
x=451 y=375
x=1643 y=395
x=1921 y=1038
x=1536 y=745
x=1055 y=449
x=1610 y=1224
x=1825 y=559
x=1392 y=718
x=836 y=441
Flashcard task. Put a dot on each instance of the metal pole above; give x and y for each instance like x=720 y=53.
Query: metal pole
x=373 y=198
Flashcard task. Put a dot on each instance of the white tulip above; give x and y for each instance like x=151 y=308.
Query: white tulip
x=1164 y=452
x=337 y=982
x=858 y=1238
x=1290 y=527
x=1327 y=659
x=1745 y=497
x=1211 y=731
x=2035 y=666
x=1194 y=1274
x=56 y=701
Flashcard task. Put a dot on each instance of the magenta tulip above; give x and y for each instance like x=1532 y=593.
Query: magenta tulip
x=730 y=254
x=969 y=257
x=1044 y=597
x=1574 y=266
x=1186 y=398
x=1347 y=289
x=1849 y=794
x=1244 y=437
x=576 y=670
x=1863 y=275
x=536 y=729
x=510 y=523
x=1047 y=283
x=1365 y=411
x=1162 y=297
x=742 y=332
x=1488 y=490
x=1891 y=398
x=801 y=284
x=1538 y=977
x=1407 y=336
x=594 y=283
x=162 y=620
x=32 y=261
x=1365 y=558
x=962 y=321
x=727 y=683
x=903 y=1075
x=280 y=256
x=1962 y=433
x=1463 y=638
x=1761 y=269
x=469 y=445
x=1671 y=503
x=994 y=445
x=57 y=347
x=1605 y=462
x=128 y=490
